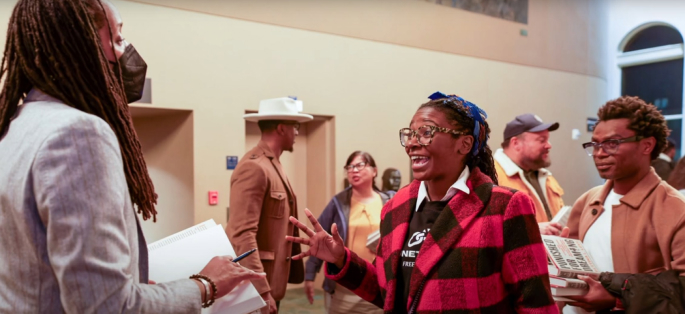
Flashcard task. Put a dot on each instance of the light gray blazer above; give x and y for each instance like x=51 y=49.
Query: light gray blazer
x=69 y=237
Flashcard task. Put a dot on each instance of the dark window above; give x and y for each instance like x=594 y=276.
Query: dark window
x=658 y=83
x=676 y=127
x=654 y=36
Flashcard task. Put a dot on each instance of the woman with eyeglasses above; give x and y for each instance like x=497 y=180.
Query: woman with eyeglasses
x=357 y=209
x=452 y=240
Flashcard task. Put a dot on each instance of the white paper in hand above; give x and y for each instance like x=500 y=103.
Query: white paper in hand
x=185 y=253
x=562 y=216
x=372 y=241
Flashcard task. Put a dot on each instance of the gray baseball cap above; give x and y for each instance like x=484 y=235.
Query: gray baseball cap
x=527 y=122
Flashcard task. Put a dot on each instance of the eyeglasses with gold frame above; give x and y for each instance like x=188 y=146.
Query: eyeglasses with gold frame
x=424 y=134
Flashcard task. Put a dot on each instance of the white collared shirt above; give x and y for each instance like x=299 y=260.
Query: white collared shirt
x=459 y=185
x=511 y=168
x=597 y=243
x=665 y=157
x=597 y=239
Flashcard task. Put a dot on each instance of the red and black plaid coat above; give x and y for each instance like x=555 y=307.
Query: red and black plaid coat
x=484 y=254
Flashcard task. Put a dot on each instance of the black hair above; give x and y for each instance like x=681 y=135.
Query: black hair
x=368 y=159
x=456 y=113
x=645 y=119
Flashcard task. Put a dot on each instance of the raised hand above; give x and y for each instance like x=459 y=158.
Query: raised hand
x=326 y=247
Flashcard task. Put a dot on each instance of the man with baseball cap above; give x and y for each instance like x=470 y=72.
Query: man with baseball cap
x=262 y=199
x=521 y=163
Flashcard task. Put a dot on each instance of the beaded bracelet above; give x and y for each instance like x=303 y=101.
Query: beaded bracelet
x=207 y=303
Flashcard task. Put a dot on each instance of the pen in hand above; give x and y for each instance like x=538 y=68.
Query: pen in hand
x=237 y=259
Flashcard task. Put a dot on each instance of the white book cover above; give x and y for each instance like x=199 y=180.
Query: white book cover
x=562 y=299
x=562 y=292
x=553 y=270
x=567 y=283
x=562 y=216
x=185 y=253
x=569 y=257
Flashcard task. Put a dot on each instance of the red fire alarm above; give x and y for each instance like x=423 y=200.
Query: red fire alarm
x=213 y=197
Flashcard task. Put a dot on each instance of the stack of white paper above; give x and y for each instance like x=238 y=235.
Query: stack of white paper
x=185 y=253
x=562 y=216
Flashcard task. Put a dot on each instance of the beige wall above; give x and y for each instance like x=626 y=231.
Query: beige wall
x=167 y=140
x=562 y=35
x=218 y=67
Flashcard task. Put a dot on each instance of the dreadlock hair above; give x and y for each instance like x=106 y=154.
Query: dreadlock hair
x=54 y=46
x=645 y=119
x=456 y=113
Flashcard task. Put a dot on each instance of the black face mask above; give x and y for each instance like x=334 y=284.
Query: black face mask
x=133 y=69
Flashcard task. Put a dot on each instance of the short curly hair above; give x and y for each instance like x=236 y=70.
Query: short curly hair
x=645 y=119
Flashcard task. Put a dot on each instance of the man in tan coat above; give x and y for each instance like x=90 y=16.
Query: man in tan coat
x=634 y=223
x=262 y=199
x=521 y=164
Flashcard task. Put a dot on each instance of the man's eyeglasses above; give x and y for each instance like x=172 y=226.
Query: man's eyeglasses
x=296 y=125
x=609 y=146
x=359 y=166
x=424 y=135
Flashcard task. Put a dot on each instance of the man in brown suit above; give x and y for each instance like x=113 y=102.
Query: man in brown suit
x=262 y=199
x=635 y=222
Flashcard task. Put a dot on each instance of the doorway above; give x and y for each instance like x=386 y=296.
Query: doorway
x=166 y=136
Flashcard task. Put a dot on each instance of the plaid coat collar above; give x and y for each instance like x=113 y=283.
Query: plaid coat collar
x=459 y=213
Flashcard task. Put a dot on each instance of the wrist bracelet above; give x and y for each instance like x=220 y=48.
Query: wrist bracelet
x=211 y=297
x=205 y=296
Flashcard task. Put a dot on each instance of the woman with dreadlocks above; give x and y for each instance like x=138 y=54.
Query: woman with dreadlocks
x=452 y=240
x=72 y=169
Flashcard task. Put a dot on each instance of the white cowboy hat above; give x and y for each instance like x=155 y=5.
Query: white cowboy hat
x=279 y=109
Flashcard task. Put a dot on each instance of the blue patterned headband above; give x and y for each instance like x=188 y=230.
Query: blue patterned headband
x=473 y=112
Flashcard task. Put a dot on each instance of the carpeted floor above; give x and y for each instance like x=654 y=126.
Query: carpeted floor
x=295 y=302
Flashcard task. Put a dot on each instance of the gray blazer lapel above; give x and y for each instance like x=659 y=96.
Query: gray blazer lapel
x=143 y=263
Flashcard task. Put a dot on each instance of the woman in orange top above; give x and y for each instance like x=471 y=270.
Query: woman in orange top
x=357 y=209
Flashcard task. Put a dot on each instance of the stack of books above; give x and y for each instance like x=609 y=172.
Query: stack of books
x=566 y=259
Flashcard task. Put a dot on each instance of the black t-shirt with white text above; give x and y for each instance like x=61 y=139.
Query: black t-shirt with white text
x=419 y=226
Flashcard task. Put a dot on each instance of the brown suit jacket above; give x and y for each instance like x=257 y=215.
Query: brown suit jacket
x=261 y=202
x=647 y=228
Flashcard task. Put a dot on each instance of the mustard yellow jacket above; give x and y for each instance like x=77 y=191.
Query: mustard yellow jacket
x=510 y=175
